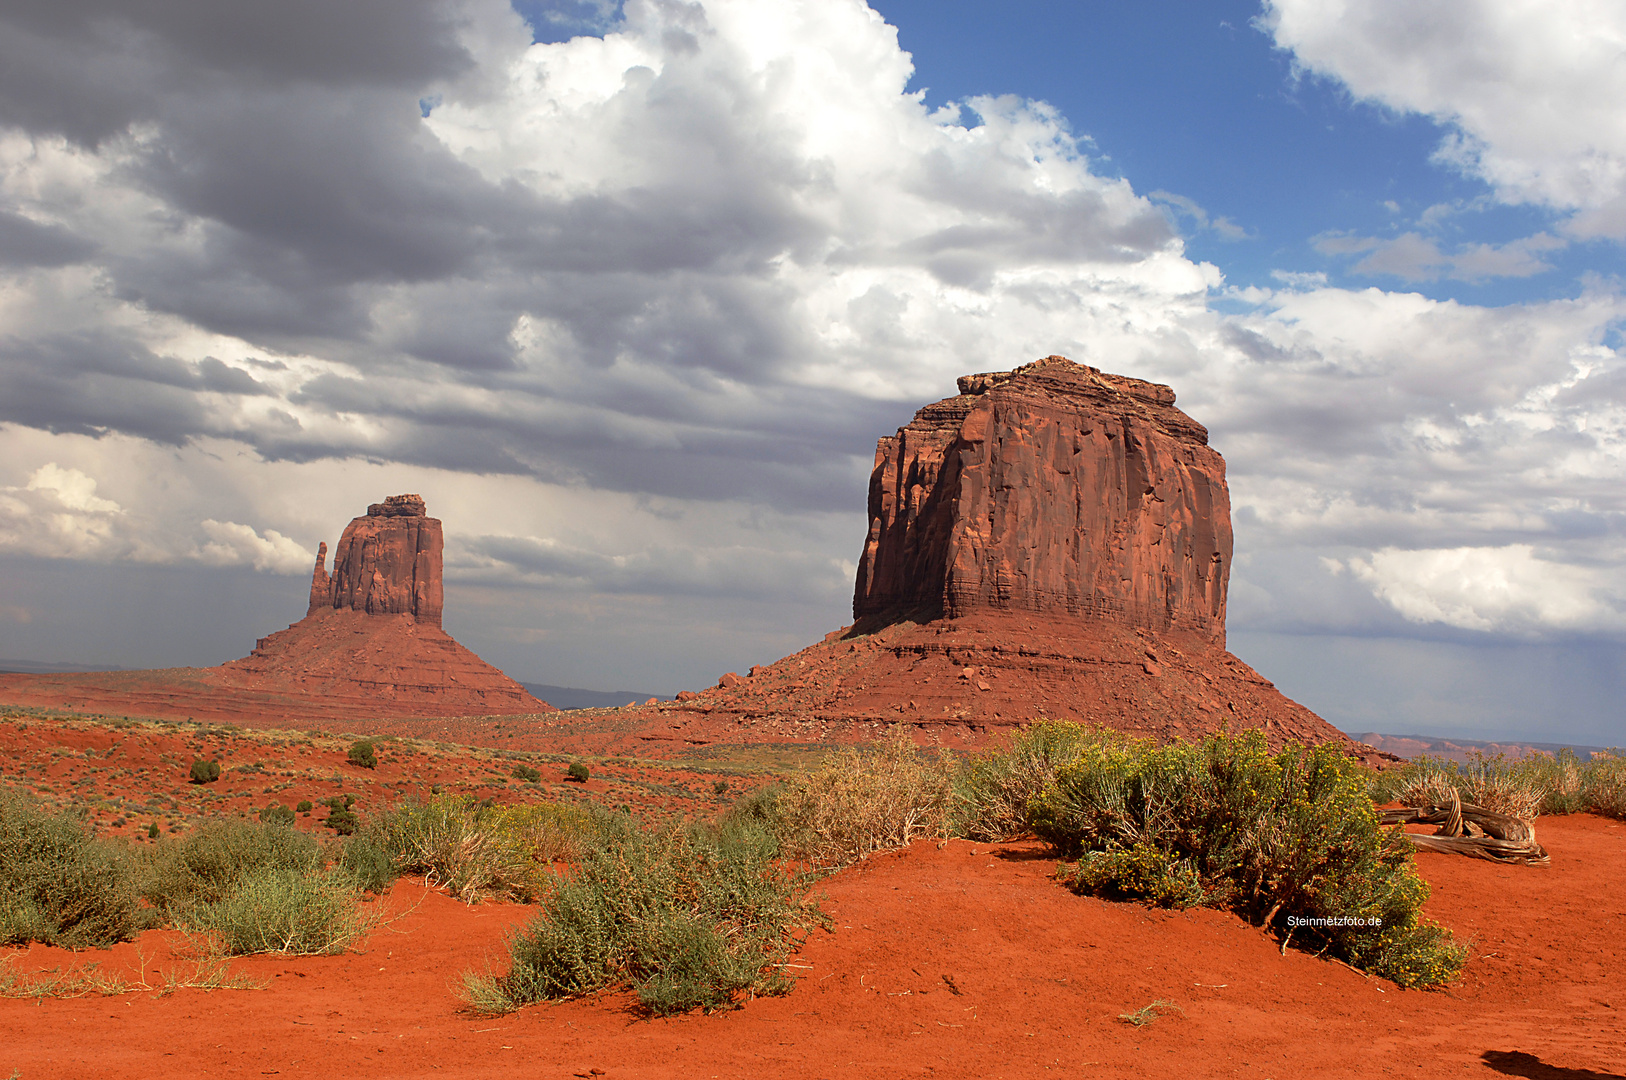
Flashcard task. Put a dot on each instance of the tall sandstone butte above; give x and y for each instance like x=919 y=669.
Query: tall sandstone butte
x=1054 y=489
x=370 y=647
x=372 y=633
x=388 y=563
x=1052 y=541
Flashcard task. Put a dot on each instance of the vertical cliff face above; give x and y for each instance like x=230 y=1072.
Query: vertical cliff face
x=387 y=563
x=1055 y=489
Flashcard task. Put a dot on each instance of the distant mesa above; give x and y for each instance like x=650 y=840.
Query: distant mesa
x=372 y=631
x=370 y=646
x=1052 y=541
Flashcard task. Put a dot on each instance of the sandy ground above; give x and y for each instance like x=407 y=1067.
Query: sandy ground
x=965 y=960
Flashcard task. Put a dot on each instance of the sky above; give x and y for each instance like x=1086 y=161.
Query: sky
x=628 y=291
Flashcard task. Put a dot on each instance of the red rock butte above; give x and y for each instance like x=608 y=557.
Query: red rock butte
x=1053 y=541
x=369 y=646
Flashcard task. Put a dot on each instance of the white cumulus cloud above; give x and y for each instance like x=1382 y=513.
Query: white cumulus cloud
x=1481 y=588
x=1531 y=88
x=232 y=544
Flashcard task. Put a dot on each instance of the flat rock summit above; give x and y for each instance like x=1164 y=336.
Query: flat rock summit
x=1053 y=541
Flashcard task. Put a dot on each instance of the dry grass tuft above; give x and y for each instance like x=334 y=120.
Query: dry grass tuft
x=863 y=801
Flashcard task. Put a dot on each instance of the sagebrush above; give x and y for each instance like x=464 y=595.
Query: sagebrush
x=690 y=916
x=866 y=800
x=473 y=849
x=1290 y=840
x=59 y=884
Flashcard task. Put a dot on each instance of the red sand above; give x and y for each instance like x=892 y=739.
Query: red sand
x=1042 y=975
x=137 y=773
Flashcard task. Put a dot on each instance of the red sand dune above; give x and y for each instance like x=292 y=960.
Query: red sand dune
x=1042 y=976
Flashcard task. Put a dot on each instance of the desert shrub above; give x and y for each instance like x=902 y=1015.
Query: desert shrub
x=152 y=831
x=369 y=867
x=340 y=817
x=1289 y=840
x=304 y=806
x=59 y=884
x=1521 y=788
x=720 y=788
x=526 y=773
x=546 y=831
x=277 y=814
x=995 y=787
x=215 y=859
x=869 y=800
x=1421 y=781
x=474 y=849
x=1605 y=784
x=363 y=752
x=692 y=917
x=1516 y=788
x=1561 y=779
x=283 y=910
x=577 y=772
x=204 y=772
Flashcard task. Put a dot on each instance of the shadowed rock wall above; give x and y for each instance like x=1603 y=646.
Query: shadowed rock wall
x=1053 y=488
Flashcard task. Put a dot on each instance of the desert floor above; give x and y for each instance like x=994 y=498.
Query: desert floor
x=955 y=960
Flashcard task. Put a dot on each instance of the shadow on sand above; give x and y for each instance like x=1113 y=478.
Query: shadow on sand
x=1518 y=1063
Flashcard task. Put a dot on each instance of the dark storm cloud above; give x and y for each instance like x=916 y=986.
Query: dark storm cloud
x=24 y=243
x=91 y=384
x=87 y=69
x=737 y=571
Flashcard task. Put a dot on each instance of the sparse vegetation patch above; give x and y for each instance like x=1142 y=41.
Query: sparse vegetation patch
x=1289 y=840
x=58 y=884
x=691 y=916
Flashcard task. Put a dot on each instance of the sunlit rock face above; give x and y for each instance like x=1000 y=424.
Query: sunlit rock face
x=389 y=562
x=1055 y=489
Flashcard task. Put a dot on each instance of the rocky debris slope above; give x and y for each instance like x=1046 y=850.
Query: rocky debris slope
x=1051 y=542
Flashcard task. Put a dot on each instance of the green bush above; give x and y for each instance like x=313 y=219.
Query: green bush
x=363 y=752
x=367 y=864
x=214 y=860
x=1605 y=790
x=304 y=806
x=204 y=772
x=526 y=773
x=277 y=814
x=577 y=772
x=994 y=788
x=692 y=917
x=1289 y=840
x=152 y=831
x=58 y=884
x=863 y=801
x=283 y=910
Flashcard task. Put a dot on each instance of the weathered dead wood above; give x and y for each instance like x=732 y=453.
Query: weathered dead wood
x=1466 y=829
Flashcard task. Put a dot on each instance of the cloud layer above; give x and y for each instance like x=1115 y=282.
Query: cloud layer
x=1530 y=88
x=631 y=310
